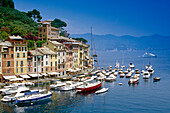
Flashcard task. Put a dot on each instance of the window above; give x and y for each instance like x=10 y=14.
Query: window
x=34 y=69
x=41 y=63
x=12 y=48
x=46 y=69
x=58 y=53
x=42 y=69
x=25 y=48
x=23 y=54
x=63 y=73
x=58 y=67
x=29 y=69
x=8 y=71
x=46 y=62
x=34 y=58
x=17 y=55
x=63 y=60
x=21 y=70
x=29 y=62
x=59 y=61
x=63 y=53
x=44 y=30
x=8 y=63
x=16 y=63
x=40 y=30
x=55 y=68
x=51 y=56
x=51 y=64
x=12 y=55
x=55 y=56
x=17 y=70
x=4 y=55
x=51 y=69
x=22 y=63
x=19 y=48
x=63 y=66
x=46 y=56
x=56 y=63
x=16 y=48
x=34 y=64
x=0 y=64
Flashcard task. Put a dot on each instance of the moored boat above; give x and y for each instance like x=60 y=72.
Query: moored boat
x=156 y=79
x=133 y=80
x=88 y=87
x=103 y=90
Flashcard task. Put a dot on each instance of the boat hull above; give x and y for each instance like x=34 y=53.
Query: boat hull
x=83 y=90
x=47 y=96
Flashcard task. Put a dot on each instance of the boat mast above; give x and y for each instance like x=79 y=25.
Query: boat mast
x=37 y=63
x=93 y=44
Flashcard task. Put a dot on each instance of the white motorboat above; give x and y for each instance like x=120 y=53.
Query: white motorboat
x=125 y=72
x=131 y=65
x=133 y=80
x=150 y=70
x=103 y=90
x=146 y=75
x=57 y=85
x=16 y=90
x=111 y=78
x=3 y=90
x=149 y=55
x=115 y=73
x=129 y=75
x=122 y=75
x=148 y=66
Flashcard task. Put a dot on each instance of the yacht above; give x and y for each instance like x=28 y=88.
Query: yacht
x=146 y=75
x=133 y=80
x=111 y=78
x=131 y=65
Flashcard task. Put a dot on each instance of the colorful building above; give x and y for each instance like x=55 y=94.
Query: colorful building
x=20 y=54
x=61 y=55
x=49 y=59
x=7 y=59
x=45 y=30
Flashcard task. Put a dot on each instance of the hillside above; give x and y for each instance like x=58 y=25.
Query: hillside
x=15 y=22
x=111 y=42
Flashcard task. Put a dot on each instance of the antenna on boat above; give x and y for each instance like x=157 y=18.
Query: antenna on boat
x=37 y=63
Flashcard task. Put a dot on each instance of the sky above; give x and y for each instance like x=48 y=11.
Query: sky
x=117 y=17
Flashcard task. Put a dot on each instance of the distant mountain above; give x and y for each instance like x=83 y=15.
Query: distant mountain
x=127 y=42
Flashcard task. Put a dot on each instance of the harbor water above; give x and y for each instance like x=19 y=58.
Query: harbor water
x=146 y=96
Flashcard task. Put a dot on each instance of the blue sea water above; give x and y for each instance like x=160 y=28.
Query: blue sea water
x=146 y=96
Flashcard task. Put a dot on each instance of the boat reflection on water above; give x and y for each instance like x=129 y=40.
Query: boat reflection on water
x=30 y=107
x=134 y=85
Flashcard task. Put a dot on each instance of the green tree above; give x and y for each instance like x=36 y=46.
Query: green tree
x=3 y=35
x=19 y=30
x=7 y=3
x=81 y=40
x=58 y=23
x=35 y=15
x=6 y=29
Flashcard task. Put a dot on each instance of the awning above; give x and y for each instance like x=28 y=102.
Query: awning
x=53 y=73
x=24 y=76
x=44 y=74
x=15 y=79
x=35 y=75
x=9 y=77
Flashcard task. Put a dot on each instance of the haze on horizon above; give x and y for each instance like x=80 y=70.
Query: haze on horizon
x=117 y=17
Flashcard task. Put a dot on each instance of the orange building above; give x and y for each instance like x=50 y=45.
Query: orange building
x=46 y=30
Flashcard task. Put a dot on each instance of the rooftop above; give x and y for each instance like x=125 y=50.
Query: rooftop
x=56 y=43
x=6 y=43
x=15 y=37
x=47 y=51
x=33 y=52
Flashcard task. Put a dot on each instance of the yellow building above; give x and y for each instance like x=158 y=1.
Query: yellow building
x=46 y=30
x=59 y=48
x=20 y=54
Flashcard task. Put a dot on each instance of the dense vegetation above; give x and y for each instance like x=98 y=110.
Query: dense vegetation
x=14 y=22
x=7 y=3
